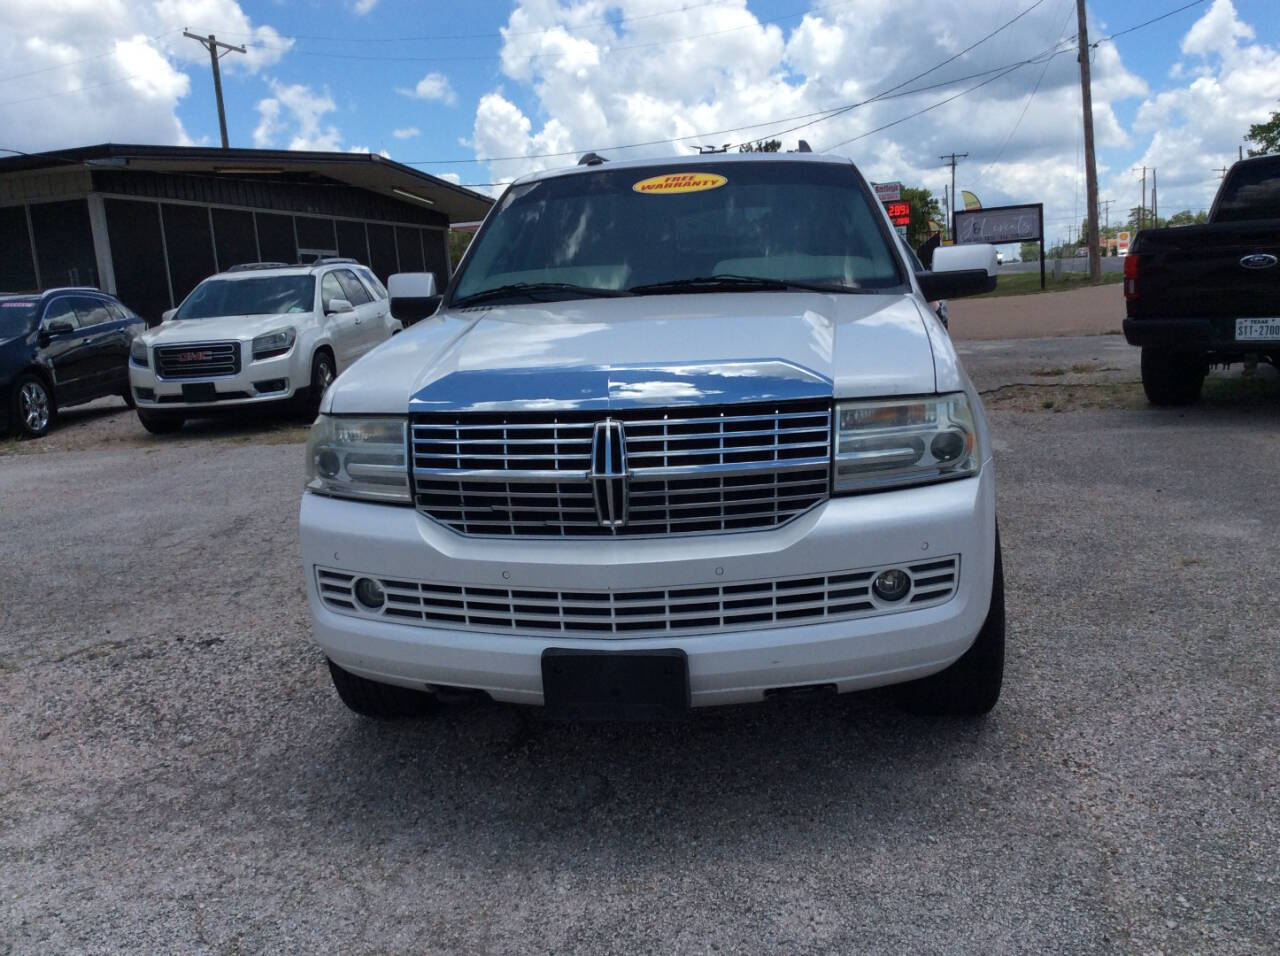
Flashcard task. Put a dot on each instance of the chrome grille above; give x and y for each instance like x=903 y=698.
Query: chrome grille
x=690 y=470
x=201 y=360
x=636 y=612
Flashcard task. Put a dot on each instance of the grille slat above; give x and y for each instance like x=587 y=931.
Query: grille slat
x=694 y=470
x=201 y=360
x=840 y=595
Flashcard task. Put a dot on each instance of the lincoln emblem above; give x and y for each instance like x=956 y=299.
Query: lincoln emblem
x=609 y=473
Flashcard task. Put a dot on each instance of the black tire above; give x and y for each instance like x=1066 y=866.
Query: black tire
x=1172 y=378
x=31 y=408
x=161 y=423
x=380 y=701
x=971 y=686
x=323 y=373
x=127 y=395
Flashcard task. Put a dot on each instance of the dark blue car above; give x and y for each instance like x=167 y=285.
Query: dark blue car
x=61 y=347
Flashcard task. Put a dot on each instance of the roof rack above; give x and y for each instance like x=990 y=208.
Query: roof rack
x=251 y=266
x=332 y=260
x=591 y=159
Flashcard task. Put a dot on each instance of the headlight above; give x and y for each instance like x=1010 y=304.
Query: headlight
x=273 y=343
x=138 y=352
x=359 y=458
x=894 y=442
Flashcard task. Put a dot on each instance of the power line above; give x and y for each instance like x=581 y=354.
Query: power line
x=87 y=59
x=1147 y=23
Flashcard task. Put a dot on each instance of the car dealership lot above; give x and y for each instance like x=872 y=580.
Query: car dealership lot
x=179 y=774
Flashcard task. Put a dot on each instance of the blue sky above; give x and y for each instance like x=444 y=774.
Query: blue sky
x=450 y=85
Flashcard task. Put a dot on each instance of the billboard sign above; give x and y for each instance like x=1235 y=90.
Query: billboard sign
x=999 y=224
x=899 y=212
x=888 y=192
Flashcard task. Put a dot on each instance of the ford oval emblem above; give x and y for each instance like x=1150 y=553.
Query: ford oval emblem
x=1259 y=260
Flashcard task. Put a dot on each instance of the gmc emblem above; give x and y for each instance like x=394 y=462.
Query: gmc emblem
x=194 y=356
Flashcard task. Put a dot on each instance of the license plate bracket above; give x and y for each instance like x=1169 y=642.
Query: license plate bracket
x=199 y=392
x=615 y=685
x=1260 y=329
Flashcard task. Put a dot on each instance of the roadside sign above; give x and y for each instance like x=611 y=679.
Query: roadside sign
x=888 y=192
x=999 y=224
x=899 y=212
x=901 y=230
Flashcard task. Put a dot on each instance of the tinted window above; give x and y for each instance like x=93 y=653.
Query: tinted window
x=612 y=229
x=17 y=316
x=61 y=310
x=1251 y=192
x=330 y=289
x=118 y=314
x=259 y=295
x=92 y=311
x=374 y=283
x=356 y=293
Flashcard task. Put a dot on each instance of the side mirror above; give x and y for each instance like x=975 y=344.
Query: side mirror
x=959 y=271
x=337 y=306
x=168 y=315
x=413 y=296
x=59 y=327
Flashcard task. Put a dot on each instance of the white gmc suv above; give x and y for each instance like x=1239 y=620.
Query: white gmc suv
x=678 y=434
x=258 y=333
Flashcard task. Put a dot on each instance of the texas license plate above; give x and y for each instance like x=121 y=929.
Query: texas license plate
x=1258 y=330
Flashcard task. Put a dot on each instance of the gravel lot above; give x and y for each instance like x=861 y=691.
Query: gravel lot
x=178 y=775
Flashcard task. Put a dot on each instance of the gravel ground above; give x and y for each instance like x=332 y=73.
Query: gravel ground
x=178 y=775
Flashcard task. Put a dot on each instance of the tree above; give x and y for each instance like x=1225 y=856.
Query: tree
x=1029 y=251
x=1266 y=135
x=458 y=242
x=761 y=146
x=924 y=206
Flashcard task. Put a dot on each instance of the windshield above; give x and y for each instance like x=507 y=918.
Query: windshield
x=641 y=227
x=260 y=295
x=17 y=316
x=1252 y=192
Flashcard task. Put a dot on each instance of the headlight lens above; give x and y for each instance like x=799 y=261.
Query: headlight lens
x=138 y=353
x=894 y=442
x=273 y=343
x=359 y=458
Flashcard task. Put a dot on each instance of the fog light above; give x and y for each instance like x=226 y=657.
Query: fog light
x=947 y=446
x=328 y=463
x=370 y=594
x=891 y=585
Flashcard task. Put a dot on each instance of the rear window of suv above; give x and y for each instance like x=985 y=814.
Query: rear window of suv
x=619 y=228
x=259 y=295
x=1251 y=192
x=17 y=317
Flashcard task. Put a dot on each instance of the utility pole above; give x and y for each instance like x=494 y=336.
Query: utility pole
x=1106 y=211
x=951 y=161
x=212 y=44
x=1142 y=209
x=1155 y=201
x=1221 y=171
x=1090 y=164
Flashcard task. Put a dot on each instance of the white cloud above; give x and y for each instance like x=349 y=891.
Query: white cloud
x=407 y=132
x=361 y=7
x=88 y=71
x=449 y=177
x=433 y=86
x=296 y=111
x=1230 y=83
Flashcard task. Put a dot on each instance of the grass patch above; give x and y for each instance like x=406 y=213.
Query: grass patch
x=1028 y=283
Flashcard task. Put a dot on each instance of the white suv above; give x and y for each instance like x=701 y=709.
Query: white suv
x=258 y=333
x=680 y=433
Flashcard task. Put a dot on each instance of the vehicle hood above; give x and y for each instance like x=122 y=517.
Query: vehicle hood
x=648 y=350
x=243 y=327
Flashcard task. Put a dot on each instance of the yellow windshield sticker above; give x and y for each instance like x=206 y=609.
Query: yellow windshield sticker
x=679 y=183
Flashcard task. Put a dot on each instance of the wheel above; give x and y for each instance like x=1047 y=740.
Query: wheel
x=33 y=407
x=127 y=395
x=161 y=423
x=1172 y=378
x=322 y=376
x=380 y=701
x=971 y=686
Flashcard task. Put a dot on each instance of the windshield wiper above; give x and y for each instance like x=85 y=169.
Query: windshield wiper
x=727 y=282
x=533 y=290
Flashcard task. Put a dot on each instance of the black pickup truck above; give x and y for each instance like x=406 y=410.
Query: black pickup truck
x=1207 y=295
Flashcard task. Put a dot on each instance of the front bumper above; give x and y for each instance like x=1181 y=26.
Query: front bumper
x=260 y=382
x=726 y=666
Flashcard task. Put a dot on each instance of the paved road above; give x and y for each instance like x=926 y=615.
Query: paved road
x=1094 y=310
x=178 y=775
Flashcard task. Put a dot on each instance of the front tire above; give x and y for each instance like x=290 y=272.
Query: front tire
x=1172 y=378
x=322 y=375
x=971 y=686
x=32 y=408
x=127 y=395
x=161 y=423
x=380 y=701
